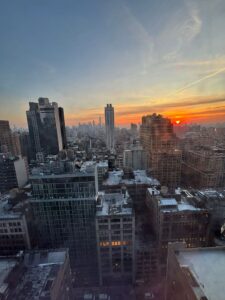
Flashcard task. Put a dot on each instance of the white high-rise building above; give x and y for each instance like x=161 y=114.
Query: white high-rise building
x=135 y=158
x=109 y=126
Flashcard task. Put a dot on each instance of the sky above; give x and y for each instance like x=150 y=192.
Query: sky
x=142 y=56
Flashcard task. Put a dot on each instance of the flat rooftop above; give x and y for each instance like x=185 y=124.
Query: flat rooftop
x=140 y=177
x=113 y=204
x=34 y=275
x=6 y=266
x=169 y=203
x=6 y=211
x=208 y=267
x=62 y=175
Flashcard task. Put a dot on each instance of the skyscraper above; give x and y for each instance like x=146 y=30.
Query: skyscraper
x=34 y=126
x=63 y=127
x=64 y=208
x=52 y=135
x=6 y=142
x=161 y=145
x=109 y=126
x=46 y=127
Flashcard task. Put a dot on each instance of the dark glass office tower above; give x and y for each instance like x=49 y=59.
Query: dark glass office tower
x=6 y=142
x=64 y=210
x=35 y=129
x=63 y=127
x=46 y=127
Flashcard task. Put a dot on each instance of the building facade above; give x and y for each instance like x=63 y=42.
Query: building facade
x=135 y=158
x=203 y=167
x=36 y=274
x=6 y=141
x=64 y=209
x=176 y=218
x=115 y=231
x=14 y=235
x=190 y=275
x=13 y=172
x=161 y=144
x=109 y=126
x=46 y=127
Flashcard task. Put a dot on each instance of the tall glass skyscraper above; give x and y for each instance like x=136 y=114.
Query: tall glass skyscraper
x=109 y=126
x=64 y=208
x=46 y=127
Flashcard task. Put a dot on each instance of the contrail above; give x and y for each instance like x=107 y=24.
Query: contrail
x=200 y=80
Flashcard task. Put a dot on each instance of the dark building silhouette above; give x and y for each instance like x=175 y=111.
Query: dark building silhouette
x=13 y=172
x=63 y=127
x=25 y=144
x=109 y=126
x=6 y=141
x=64 y=212
x=35 y=128
x=46 y=127
x=195 y=274
x=36 y=274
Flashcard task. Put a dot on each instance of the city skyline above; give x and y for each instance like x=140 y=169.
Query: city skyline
x=167 y=58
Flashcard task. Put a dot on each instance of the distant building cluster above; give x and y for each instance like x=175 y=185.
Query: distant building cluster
x=99 y=212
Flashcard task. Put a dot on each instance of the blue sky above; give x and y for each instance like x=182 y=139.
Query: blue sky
x=142 y=56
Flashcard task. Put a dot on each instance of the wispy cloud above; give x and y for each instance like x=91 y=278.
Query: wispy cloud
x=182 y=29
x=193 y=108
x=195 y=82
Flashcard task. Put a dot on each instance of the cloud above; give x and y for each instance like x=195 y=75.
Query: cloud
x=183 y=27
x=198 y=101
x=191 y=27
x=193 y=108
x=195 y=82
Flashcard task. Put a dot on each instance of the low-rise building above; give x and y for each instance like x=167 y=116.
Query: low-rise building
x=136 y=183
x=13 y=172
x=175 y=218
x=14 y=235
x=195 y=274
x=36 y=275
x=203 y=167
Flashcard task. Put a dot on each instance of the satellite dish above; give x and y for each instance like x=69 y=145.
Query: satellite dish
x=164 y=190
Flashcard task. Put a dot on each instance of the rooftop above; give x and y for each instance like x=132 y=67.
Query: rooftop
x=140 y=177
x=207 y=265
x=6 y=210
x=103 y=164
x=113 y=204
x=36 y=273
x=180 y=201
x=59 y=169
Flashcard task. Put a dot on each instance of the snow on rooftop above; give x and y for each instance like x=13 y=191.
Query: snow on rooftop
x=207 y=265
x=153 y=191
x=103 y=163
x=168 y=202
x=112 y=204
x=140 y=177
x=173 y=204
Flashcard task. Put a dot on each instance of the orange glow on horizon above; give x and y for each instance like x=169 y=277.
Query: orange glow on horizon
x=182 y=111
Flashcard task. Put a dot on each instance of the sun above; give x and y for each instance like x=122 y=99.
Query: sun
x=177 y=122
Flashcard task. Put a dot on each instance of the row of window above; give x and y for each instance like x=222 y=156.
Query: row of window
x=10 y=224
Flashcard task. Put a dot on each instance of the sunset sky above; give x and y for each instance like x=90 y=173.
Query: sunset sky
x=143 y=56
